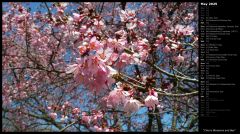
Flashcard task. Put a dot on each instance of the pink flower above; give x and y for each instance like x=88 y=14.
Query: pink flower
x=105 y=55
x=141 y=44
x=86 y=119
x=174 y=46
x=180 y=29
x=160 y=39
x=107 y=130
x=152 y=92
x=99 y=115
x=23 y=94
x=77 y=17
x=116 y=97
x=121 y=33
x=97 y=75
x=94 y=43
x=20 y=18
x=82 y=49
x=49 y=52
x=126 y=15
x=76 y=111
x=143 y=54
x=179 y=59
x=96 y=117
x=99 y=24
x=130 y=13
x=97 y=129
x=125 y=57
x=83 y=28
x=53 y=115
x=160 y=106
x=131 y=25
x=67 y=103
x=63 y=118
x=166 y=49
x=141 y=24
x=113 y=57
x=151 y=101
x=188 y=30
x=60 y=11
x=132 y=105
x=71 y=68
x=189 y=16
x=98 y=84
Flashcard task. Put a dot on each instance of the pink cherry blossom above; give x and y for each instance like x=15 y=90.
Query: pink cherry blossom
x=60 y=11
x=125 y=15
x=95 y=44
x=97 y=128
x=76 y=111
x=23 y=94
x=117 y=96
x=83 y=28
x=86 y=119
x=143 y=55
x=141 y=24
x=179 y=59
x=132 y=105
x=121 y=33
x=63 y=118
x=160 y=39
x=67 y=104
x=99 y=24
x=71 y=68
x=82 y=49
x=114 y=57
x=174 y=46
x=77 y=17
x=160 y=106
x=125 y=57
x=180 y=29
x=53 y=115
x=153 y=92
x=131 y=25
x=106 y=130
x=166 y=49
x=151 y=101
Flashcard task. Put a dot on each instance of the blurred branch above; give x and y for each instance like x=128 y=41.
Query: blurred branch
x=171 y=75
x=69 y=125
x=174 y=118
x=159 y=123
x=150 y=120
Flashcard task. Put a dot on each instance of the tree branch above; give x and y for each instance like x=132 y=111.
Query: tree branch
x=171 y=75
